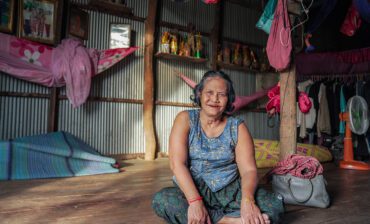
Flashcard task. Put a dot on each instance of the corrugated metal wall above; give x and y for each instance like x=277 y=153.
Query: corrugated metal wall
x=112 y=128
x=20 y=116
x=173 y=89
x=239 y=23
x=117 y=128
x=200 y=15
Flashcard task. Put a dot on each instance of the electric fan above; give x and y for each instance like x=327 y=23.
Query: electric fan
x=357 y=121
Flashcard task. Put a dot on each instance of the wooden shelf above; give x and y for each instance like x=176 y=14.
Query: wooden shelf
x=109 y=8
x=241 y=68
x=236 y=67
x=251 y=45
x=180 y=58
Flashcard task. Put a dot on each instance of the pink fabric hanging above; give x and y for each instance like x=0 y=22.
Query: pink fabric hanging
x=304 y=102
x=279 y=43
x=69 y=64
x=273 y=105
x=352 y=22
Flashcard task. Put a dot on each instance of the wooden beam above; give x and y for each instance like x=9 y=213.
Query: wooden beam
x=30 y=95
x=216 y=32
x=148 y=107
x=288 y=117
x=180 y=28
x=107 y=99
x=175 y=104
x=53 y=110
x=228 y=39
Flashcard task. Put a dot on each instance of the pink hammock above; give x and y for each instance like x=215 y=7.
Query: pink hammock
x=70 y=64
x=240 y=101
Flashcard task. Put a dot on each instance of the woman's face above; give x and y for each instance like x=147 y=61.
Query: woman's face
x=213 y=97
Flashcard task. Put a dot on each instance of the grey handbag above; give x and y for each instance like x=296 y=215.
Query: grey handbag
x=300 y=191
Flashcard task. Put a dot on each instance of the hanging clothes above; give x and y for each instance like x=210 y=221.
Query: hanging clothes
x=265 y=21
x=343 y=105
x=301 y=117
x=323 y=118
x=334 y=113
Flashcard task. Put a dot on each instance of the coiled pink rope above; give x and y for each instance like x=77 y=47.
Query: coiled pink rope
x=306 y=167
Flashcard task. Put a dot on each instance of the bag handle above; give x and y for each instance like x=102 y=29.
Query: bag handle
x=297 y=200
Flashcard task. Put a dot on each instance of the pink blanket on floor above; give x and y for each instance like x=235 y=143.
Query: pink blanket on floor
x=70 y=64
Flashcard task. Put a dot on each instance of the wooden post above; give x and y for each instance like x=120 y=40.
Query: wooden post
x=148 y=107
x=53 y=110
x=288 y=117
x=216 y=32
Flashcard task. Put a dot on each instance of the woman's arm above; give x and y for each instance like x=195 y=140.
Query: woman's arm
x=246 y=162
x=178 y=153
x=244 y=153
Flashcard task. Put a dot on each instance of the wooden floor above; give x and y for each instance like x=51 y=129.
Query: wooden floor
x=126 y=197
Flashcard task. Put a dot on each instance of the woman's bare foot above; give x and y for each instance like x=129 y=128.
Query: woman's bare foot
x=266 y=218
x=229 y=220
x=232 y=220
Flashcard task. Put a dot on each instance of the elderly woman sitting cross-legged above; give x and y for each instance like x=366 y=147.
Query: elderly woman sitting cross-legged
x=212 y=158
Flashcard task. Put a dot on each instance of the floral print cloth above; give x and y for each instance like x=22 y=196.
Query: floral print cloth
x=70 y=63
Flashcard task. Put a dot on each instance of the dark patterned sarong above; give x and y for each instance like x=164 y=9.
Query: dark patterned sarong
x=170 y=203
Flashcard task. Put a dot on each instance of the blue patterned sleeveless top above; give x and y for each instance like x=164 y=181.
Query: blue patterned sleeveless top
x=213 y=159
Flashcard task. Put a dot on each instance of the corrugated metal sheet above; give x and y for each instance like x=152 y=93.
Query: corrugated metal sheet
x=194 y=11
x=117 y=128
x=170 y=87
x=22 y=117
x=139 y=7
x=257 y=124
x=164 y=117
x=111 y=128
x=244 y=83
x=173 y=89
x=125 y=79
x=239 y=23
x=10 y=84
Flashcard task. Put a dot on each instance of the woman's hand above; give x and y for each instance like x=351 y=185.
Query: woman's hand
x=251 y=214
x=198 y=214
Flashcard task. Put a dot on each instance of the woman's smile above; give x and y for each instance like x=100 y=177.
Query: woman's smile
x=214 y=96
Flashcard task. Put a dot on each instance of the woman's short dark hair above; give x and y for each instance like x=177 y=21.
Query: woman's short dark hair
x=230 y=89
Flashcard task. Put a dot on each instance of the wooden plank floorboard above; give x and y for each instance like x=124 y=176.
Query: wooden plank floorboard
x=126 y=197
